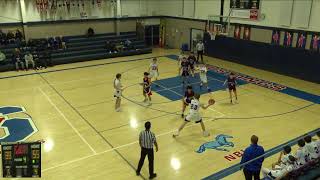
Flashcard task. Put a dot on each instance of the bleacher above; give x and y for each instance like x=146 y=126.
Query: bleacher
x=81 y=48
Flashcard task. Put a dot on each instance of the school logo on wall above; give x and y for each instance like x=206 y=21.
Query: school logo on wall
x=220 y=143
x=16 y=124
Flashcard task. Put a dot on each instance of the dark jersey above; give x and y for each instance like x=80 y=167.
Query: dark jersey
x=231 y=83
x=191 y=60
x=185 y=68
x=188 y=96
x=146 y=85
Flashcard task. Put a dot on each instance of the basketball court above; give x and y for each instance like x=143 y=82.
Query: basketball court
x=72 y=107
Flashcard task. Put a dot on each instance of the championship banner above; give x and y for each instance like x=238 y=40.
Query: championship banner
x=315 y=42
x=301 y=41
x=247 y=33
x=275 y=39
x=237 y=31
x=287 y=41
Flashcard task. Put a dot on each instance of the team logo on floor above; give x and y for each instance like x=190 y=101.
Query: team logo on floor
x=219 y=143
x=16 y=124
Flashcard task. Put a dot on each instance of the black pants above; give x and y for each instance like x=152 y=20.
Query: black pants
x=200 y=54
x=144 y=153
x=248 y=174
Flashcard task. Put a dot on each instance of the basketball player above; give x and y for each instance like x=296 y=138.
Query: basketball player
x=302 y=155
x=184 y=70
x=192 y=61
x=118 y=91
x=188 y=95
x=280 y=171
x=311 y=147
x=203 y=76
x=153 y=69
x=194 y=115
x=231 y=80
x=147 y=88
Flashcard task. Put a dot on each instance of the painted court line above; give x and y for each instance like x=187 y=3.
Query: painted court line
x=68 y=122
x=115 y=148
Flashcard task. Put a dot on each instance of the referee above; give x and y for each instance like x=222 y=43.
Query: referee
x=200 y=50
x=146 y=141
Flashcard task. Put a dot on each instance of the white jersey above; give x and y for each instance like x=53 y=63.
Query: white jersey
x=302 y=156
x=311 y=149
x=117 y=87
x=154 y=67
x=203 y=74
x=194 y=106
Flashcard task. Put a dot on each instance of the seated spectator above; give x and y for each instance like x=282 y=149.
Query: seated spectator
x=302 y=154
x=311 y=147
x=40 y=62
x=253 y=151
x=284 y=157
x=280 y=171
x=90 y=32
x=28 y=58
x=19 y=35
x=16 y=59
x=318 y=144
x=2 y=57
x=61 y=42
x=128 y=44
x=3 y=38
x=108 y=46
x=10 y=37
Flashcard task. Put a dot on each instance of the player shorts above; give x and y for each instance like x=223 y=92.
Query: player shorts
x=147 y=91
x=185 y=73
x=117 y=94
x=154 y=74
x=193 y=118
x=232 y=88
x=203 y=79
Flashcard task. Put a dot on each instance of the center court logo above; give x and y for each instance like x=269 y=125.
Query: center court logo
x=220 y=143
x=16 y=128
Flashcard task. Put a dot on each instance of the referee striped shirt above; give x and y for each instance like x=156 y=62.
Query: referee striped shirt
x=147 y=139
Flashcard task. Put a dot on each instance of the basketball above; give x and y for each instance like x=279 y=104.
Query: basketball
x=211 y=101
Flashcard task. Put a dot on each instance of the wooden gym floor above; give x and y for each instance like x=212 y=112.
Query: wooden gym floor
x=73 y=110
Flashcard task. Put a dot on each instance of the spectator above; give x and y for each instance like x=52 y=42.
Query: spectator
x=62 y=43
x=302 y=154
x=3 y=38
x=311 y=147
x=200 y=49
x=281 y=171
x=28 y=58
x=19 y=35
x=2 y=57
x=253 y=168
x=10 y=37
x=90 y=32
x=284 y=157
x=318 y=144
x=146 y=140
x=128 y=44
x=16 y=59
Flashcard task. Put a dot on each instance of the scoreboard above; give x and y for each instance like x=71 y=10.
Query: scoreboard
x=21 y=159
x=248 y=9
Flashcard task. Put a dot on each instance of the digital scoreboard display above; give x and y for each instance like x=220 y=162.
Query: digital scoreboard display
x=21 y=159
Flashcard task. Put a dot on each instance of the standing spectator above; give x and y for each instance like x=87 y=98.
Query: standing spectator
x=90 y=32
x=16 y=59
x=2 y=57
x=28 y=58
x=200 y=49
x=253 y=168
x=146 y=140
